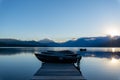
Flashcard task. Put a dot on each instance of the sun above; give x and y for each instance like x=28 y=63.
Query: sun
x=112 y=32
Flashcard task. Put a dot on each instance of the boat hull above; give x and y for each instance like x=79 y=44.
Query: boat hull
x=56 y=59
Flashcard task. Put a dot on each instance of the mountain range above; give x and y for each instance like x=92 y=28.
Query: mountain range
x=105 y=41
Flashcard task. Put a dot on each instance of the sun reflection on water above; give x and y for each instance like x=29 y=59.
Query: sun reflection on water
x=114 y=61
x=113 y=49
x=113 y=66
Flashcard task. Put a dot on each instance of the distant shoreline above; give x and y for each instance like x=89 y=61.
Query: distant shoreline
x=105 y=41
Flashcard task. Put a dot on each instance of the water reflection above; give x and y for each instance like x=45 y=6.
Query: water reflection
x=96 y=63
x=13 y=51
x=17 y=64
x=113 y=50
x=113 y=60
x=100 y=68
x=55 y=71
x=100 y=54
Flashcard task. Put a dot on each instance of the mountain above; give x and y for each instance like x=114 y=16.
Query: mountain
x=46 y=41
x=105 y=41
x=92 y=42
x=49 y=42
x=19 y=43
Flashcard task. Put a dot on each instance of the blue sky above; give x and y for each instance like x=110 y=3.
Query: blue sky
x=58 y=20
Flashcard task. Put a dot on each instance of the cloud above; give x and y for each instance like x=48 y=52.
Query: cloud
x=89 y=39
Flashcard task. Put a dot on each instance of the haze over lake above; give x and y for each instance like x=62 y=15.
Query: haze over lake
x=96 y=63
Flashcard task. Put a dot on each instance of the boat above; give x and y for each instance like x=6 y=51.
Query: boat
x=60 y=53
x=83 y=49
x=58 y=57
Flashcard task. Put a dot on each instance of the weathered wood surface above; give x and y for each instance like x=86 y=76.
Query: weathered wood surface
x=58 y=71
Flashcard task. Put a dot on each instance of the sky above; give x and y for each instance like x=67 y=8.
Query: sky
x=59 y=20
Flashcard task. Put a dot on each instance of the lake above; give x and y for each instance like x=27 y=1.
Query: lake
x=96 y=63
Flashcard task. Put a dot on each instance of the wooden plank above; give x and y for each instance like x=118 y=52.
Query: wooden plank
x=58 y=77
x=58 y=71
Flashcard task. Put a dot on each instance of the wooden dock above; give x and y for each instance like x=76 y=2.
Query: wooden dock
x=58 y=71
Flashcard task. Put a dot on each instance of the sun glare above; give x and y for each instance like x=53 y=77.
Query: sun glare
x=112 y=32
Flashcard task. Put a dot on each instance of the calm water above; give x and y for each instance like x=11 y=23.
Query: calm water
x=96 y=63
